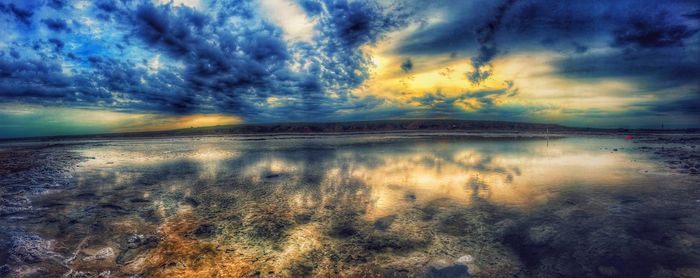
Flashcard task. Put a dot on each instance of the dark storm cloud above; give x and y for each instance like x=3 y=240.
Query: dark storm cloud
x=485 y=29
x=336 y=63
x=454 y=32
x=57 y=43
x=653 y=69
x=243 y=65
x=57 y=4
x=442 y=38
x=656 y=30
x=438 y=102
x=43 y=82
x=407 y=65
x=686 y=106
x=21 y=13
x=693 y=15
x=237 y=67
x=438 y=105
x=56 y=24
x=34 y=81
x=357 y=22
x=14 y=53
x=650 y=43
x=487 y=46
x=579 y=48
x=311 y=7
x=90 y=81
x=465 y=26
x=665 y=69
x=106 y=5
x=344 y=26
x=477 y=27
x=162 y=91
x=227 y=58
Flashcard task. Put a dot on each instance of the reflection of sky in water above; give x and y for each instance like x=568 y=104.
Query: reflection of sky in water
x=512 y=174
x=393 y=175
x=363 y=202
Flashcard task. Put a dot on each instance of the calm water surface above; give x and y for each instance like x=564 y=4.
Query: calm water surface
x=373 y=206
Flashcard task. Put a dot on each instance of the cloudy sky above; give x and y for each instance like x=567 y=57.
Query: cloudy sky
x=70 y=67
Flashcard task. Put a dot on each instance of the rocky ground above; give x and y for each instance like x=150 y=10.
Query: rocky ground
x=33 y=171
x=680 y=153
x=24 y=173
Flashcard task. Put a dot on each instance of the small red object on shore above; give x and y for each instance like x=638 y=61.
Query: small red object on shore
x=629 y=137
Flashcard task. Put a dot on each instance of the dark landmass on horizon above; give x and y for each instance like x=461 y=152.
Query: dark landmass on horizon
x=393 y=126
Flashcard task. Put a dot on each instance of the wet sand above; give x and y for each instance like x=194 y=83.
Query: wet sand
x=364 y=205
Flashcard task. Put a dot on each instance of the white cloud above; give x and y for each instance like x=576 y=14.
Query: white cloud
x=196 y=4
x=154 y=64
x=290 y=17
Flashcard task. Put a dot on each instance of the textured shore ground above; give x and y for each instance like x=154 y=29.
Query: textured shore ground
x=98 y=209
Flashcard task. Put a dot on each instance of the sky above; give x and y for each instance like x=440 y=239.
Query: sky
x=77 y=67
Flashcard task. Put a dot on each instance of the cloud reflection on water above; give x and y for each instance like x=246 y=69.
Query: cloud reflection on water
x=343 y=206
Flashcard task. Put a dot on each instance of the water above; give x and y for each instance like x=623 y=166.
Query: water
x=382 y=205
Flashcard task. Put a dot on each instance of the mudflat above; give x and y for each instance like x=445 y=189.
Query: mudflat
x=424 y=204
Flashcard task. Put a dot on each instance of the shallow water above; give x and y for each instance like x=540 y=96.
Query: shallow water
x=384 y=205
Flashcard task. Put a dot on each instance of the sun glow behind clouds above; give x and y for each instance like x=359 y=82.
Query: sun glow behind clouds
x=443 y=74
x=536 y=84
x=164 y=122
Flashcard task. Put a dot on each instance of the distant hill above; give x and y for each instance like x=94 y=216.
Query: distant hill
x=385 y=125
x=367 y=127
x=361 y=127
